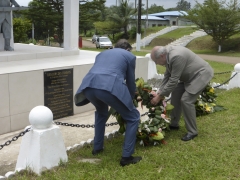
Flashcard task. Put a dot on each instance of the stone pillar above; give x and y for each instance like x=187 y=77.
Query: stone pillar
x=43 y=147
x=71 y=24
x=235 y=81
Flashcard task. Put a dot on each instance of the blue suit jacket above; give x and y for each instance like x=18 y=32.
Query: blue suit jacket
x=113 y=71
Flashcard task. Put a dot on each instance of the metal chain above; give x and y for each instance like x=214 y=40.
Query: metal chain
x=58 y=123
x=223 y=72
x=83 y=125
x=146 y=113
x=226 y=81
x=15 y=138
x=88 y=125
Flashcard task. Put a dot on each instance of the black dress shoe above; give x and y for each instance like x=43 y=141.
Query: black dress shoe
x=130 y=160
x=173 y=127
x=96 y=152
x=188 y=137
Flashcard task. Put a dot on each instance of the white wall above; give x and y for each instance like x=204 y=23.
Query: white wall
x=22 y=91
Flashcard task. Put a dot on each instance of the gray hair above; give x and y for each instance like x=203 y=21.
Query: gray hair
x=160 y=51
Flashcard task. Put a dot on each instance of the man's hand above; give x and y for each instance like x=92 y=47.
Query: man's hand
x=156 y=98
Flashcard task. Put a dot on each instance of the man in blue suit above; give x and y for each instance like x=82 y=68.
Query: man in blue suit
x=111 y=82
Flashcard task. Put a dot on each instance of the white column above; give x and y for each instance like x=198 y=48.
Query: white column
x=71 y=24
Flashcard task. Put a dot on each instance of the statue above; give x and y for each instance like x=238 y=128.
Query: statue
x=5 y=22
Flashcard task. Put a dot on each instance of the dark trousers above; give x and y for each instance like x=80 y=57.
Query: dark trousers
x=102 y=99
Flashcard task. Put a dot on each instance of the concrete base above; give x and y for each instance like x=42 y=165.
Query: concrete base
x=42 y=150
x=22 y=79
x=30 y=52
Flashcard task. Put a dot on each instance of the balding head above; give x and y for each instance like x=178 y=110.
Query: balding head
x=158 y=55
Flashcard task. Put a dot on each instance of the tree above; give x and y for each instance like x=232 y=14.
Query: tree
x=153 y=9
x=107 y=27
x=218 y=19
x=183 y=5
x=47 y=16
x=90 y=12
x=123 y=15
x=20 y=28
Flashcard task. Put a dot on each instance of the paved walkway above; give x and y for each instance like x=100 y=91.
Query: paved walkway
x=73 y=135
x=224 y=59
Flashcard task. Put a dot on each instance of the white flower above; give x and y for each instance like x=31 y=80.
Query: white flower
x=141 y=143
x=167 y=121
x=155 y=143
x=148 y=130
x=150 y=120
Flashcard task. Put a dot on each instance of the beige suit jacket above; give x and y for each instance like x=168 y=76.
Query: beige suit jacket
x=184 y=65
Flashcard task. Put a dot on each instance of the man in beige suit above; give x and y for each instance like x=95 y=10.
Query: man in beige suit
x=5 y=22
x=185 y=77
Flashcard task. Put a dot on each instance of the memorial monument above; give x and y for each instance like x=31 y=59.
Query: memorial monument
x=6 y=21
x=33 y=75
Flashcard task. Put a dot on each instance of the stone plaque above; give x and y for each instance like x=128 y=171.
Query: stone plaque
x=58 y=92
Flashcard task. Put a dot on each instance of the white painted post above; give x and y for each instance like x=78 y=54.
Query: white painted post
x=152 y=68
x=71 y=24
x=235 y=82
x=43 y=147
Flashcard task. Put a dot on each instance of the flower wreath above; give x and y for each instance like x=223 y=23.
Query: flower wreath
x=152 y=130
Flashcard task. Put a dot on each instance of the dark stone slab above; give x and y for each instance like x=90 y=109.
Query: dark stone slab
x=58 y=92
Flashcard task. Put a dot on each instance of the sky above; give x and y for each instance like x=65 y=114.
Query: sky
x=165 y=3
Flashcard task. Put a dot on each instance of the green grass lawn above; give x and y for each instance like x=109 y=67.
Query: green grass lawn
x=178 y=33
x=213 y=155
x=205 y=45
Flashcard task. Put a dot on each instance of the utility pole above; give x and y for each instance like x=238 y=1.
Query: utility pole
x=147 y=14
x=136 y=16
x=32 y=31
x=138 y=43
x=146 y=23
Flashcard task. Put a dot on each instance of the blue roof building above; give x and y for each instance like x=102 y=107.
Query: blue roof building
x=167 y=18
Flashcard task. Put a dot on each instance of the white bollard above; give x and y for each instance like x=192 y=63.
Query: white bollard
x=43 y=147
x=235 y=81
x=152 y=68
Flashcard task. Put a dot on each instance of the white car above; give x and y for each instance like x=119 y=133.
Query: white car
x=103 y=42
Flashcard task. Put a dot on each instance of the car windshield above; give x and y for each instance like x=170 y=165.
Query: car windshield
x=104 y=39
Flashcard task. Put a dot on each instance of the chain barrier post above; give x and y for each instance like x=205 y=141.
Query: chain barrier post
x=43 y=147
x=235 y=82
